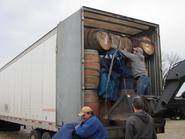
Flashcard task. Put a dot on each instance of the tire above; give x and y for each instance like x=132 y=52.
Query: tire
x=35 y=134
x=46 y=135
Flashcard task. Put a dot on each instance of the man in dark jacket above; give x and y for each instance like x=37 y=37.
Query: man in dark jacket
x=140 y=125
x=90 y=127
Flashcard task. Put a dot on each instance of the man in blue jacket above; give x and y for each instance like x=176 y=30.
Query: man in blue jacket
x=90 y=127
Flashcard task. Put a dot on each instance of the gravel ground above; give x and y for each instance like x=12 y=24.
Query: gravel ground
x=175 y=129
x=23 y=134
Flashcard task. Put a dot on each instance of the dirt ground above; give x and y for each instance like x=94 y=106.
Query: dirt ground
x=175 y=129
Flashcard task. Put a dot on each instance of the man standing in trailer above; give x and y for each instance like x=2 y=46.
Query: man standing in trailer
x=139 y=70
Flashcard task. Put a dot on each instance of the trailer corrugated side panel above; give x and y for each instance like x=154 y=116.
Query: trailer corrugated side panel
x=28 y=82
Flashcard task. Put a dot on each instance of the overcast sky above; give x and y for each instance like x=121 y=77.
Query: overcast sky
x=22 y=22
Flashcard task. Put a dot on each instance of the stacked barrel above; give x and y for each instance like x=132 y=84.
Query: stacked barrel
x=121 y=42
x=99 y=42
x=91 y=79
x=96 y=39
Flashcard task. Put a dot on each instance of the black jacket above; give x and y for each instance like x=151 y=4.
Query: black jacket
x=140 y=126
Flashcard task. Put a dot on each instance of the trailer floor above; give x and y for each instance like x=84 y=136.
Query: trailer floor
x=175 y=129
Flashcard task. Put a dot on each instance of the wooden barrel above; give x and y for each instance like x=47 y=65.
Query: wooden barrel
x=91 y=69
x=91 y=82
x=97 y=39
x=91 y=99
x=121 y=42
x=115 y=40
x=92 y=65
x=147 y=45
x=91 y=55
x=125 y=43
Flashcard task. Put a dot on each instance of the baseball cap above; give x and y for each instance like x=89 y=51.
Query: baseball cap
x=84 y=110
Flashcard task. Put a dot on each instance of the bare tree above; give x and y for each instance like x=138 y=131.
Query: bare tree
x=168 y=62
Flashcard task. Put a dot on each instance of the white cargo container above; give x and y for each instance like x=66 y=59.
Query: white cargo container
x=28 y=84
x=43 y=87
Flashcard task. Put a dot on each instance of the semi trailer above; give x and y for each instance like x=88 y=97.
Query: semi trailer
x=45 y=86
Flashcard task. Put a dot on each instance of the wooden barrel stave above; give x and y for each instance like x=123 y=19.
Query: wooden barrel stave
x=91 y=69
x=91 y=99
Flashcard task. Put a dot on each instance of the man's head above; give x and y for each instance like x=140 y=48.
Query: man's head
x=138 y=103
x=86 y=112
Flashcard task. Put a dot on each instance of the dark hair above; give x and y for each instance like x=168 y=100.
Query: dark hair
x=138 y=103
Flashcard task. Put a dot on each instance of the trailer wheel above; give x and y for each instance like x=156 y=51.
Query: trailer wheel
x=35 y=134
x=46 y=135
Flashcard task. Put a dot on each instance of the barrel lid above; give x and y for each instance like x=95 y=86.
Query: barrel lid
x=147 y=45
x=104 y=39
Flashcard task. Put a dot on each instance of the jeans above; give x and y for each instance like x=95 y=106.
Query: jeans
x=142 y=86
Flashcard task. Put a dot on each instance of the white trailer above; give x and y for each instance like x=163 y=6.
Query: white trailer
x=31 y=82
x=43 y=87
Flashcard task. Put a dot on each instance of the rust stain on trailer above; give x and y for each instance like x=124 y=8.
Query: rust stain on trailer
x=49 y=109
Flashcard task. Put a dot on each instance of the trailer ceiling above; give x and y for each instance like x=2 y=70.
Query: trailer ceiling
x=115 y=23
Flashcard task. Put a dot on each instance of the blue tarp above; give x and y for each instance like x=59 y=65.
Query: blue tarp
x=65 y=132
x=119 y=69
